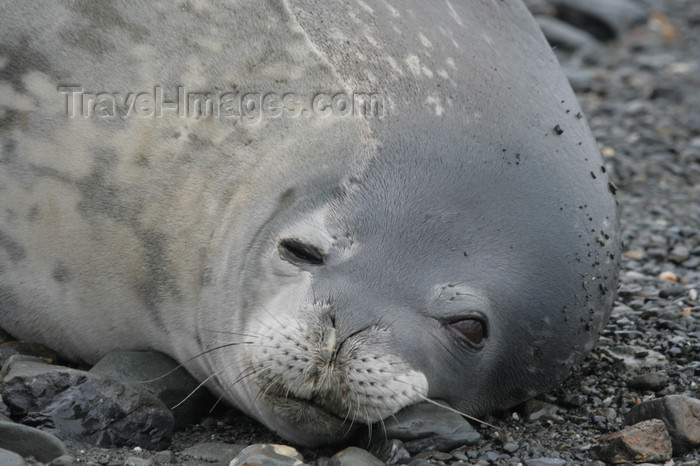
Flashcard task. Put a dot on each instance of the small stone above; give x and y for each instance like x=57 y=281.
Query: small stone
x=668 y=276
x=635 y=254
x=647 y=441
x=354 y=455
x=672 y=291
x=536 y=410
x=10 y=458
x=680 y=414
x=424 y=426
x=510 y=447
x=653 y=381
x=164 y=457
x=679 y=254
x=390 y=451
x=268 y=455
x=64 y=460
x=134 y=461
x=28 y=441
x=544 y=462
x=214 y=452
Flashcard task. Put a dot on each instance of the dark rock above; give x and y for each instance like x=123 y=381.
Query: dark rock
x=390 y=451
x=680 y=414
x=85 y=408
x=647 y=441
x=603 y=19
x=424 y=426
x=653 y=381
x=564 y=35
x=28 y=441
x=148 y=369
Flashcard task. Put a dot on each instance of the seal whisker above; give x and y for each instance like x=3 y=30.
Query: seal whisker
x=201 y=384
x=203 y=353
x=449 y=408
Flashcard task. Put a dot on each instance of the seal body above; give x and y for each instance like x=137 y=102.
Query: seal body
x=336 y=209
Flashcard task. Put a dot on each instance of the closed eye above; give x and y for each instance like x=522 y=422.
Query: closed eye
x=299 y=253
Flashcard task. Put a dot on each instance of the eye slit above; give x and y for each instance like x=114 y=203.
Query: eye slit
x=474 y=330
x=297 y=252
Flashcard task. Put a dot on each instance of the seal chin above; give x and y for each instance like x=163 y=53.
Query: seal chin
x=314 y=421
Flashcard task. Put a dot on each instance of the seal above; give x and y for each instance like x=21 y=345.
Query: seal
x=332 y=209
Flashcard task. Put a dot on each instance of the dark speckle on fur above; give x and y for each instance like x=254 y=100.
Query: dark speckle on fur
x=61 y=273
x=20 y=60
x=12 y=248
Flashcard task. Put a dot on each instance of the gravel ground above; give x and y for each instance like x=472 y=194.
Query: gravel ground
x=642 y=99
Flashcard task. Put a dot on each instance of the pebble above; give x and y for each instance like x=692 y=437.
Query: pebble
x=425 y=426
x=353 y=456
x=28 y=441
x=647 y=441
x=680 y=414
x=86 y=408
x=64 y=460
x=544 y=462
x=268 y=455
x=536 y=410
x=147 y=369
x=653 y=381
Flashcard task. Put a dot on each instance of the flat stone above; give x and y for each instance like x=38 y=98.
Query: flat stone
x=64 y=460
x=84 y=408
x=544 y=462
x=214 y=452
x=10 y=458
x=632 y=358
x=424 y=426
x=148 y=369
x=28 y=441
x=268 y=455
x=680 y=414
x=647 y=441
x=352 y=456
x=653 y=381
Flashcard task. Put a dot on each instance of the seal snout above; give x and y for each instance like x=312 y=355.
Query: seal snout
x=348 y=375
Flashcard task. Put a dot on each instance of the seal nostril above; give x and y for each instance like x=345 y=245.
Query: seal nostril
x=298 y=252
x=472 y=329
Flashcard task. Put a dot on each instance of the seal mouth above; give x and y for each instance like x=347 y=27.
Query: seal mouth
x=311 y=417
